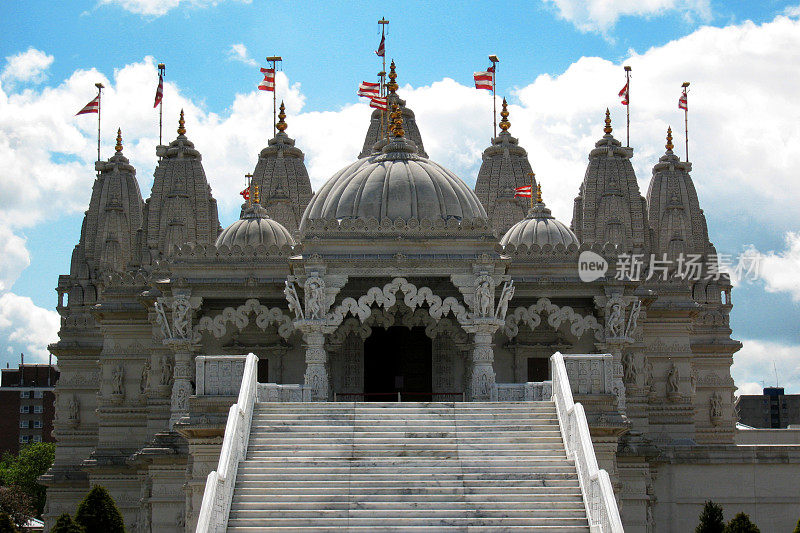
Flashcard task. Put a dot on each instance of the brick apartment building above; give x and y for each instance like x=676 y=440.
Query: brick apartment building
x=27 y=405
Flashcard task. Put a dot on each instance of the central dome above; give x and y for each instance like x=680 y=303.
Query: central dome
x=395 y=183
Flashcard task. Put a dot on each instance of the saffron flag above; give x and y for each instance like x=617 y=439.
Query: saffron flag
x=268 y=84
x=624 y=94
x=523 y=192
x=683 y=101
x=159 y=91
x=484 y=80
x=381 y=51
x=246 y=193
x=91 y=107
x=368 y=90
x=379 y=103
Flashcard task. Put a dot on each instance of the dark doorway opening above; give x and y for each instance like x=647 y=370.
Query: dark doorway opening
x=262 y=370
x=398 y=359
x=538 y=369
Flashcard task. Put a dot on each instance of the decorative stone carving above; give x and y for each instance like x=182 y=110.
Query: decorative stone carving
x=181 y=316
x=166 y=371
x=290 y=291
x=118 y=381
x=505 y=298
x=532 y=317
x=239 y=317
x=73 y=411
x=715 y=408
x=615 y=317
x=484 y=296
x=673 y=383
x=161 y=319
x=144 y=380
x=315 y=297
x=633 y=318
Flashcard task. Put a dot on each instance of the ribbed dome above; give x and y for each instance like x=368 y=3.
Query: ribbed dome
x=255 y=228
x=391 y=184
x=539 y=228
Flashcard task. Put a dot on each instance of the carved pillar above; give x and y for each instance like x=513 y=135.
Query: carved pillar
x=317 y=377
x=181 y=380
x=482 y=381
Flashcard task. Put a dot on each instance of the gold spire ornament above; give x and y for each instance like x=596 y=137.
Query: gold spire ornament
x=397 y=121
x=256 y=195
x=608 y=129
x=282 y=125
x=504 y=123
x=539 y=193
x=118 y=147
x=181 y=125
x=392 y=85
x=669 y=138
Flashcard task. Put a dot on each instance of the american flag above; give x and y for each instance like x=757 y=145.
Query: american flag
x=269 y=80
x=91 y=107
x=159 y=91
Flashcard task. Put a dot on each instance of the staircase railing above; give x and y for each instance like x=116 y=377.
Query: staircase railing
x=216 y=506
x=598 y=495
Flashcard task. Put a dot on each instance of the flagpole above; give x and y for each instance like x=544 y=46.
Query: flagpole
x=383 y=22
x=628 y=106
x=100 y=88
x=495 y=61
x=532 y=175
x=686 y=119
x=161 y=70
x=274 y=60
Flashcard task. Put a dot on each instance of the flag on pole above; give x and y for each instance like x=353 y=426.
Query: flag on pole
x=246 y=193
x=368 y=89
x=484 y=80
x=624 y=94
x=159 y=91
x=381 y=51
x=379 y=103
x=91 y=107
x=523 y=192
x=268 y=84
x=683 y=101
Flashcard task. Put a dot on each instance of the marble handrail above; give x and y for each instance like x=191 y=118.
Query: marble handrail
x=213 y=516
x=598 y=495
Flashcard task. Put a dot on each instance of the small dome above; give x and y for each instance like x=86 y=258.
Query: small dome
x=255 y=228
x=394 y=183
x=539 y=228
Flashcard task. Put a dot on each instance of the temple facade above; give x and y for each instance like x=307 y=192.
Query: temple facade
x=397 y=281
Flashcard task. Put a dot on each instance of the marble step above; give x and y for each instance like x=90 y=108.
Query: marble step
x=453 y=469
x=362 y=452
x=406 y=462
x=404 y=512
x=422 y=491
x=404 y=523
x=408 y=484
x=540 y=500
x=410 y=529
x=402 y=425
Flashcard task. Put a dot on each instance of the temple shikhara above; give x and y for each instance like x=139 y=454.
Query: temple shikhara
x=398 y=351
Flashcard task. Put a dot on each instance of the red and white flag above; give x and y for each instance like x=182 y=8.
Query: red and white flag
x=523 y=192
x=381 y=51
x=159 y=91
x=91 y=107
x=484 y=80
x=268 y=84
x=246 y=193
x=379 y=103
x=368 y=89
x=624 y=94
x=683 y=101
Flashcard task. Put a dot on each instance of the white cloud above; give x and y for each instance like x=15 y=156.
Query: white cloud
x=753 y=365
x=780 y=271
x=15 y=258
x=28 y=326
x=160 y=7
x=600 y=15
x=238 y=52
x=28 y=66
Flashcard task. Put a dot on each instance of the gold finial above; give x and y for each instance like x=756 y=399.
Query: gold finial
x=539 y=193
x=249 y=189
x=282 y=125
x=181 y=125
x=504 y=123
x=392 y=85
x=397 y=121
x=118 y=147
x=608 y=129
x=256 y=196
x=670 y=146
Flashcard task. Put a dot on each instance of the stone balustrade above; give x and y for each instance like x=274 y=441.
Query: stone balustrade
x=219 y=375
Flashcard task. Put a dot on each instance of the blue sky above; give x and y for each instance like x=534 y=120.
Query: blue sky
x=560 y=67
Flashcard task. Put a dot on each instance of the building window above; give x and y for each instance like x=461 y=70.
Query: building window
x=38 y=394
x=37 y=408
x=37 y=424
x=23 y=424
x=23 y=394
x=24 y=439
x=37 y=438
x=24 y=408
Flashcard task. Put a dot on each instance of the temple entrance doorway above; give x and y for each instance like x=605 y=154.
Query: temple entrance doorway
x=398 y=360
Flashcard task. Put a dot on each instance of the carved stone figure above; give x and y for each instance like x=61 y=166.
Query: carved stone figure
x=181 y=317
x=648 y=374
x=315 y=297
x=673 y=379
x=615 y=321
x=629 y=362
x=144 y=381
x=483 y=298
x=118 y=381
x=294 y=301
x=715 y=408
x=636 y=308
x=166 y=371
x=505 y=297
x=73 y=410
x=161 y=319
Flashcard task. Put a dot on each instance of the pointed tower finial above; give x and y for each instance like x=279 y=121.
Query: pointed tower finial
x=118 y=147
x=397 y=121
x=670 y=146
x=504 y=123
x=282 y=125
x=181 y=125
x=608 y=129
x=392 y=85
x=539 y=193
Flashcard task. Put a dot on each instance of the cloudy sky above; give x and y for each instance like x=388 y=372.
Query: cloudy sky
x=561 y=66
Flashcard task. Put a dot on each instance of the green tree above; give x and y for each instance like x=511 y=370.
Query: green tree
x=17 y=504
x=797 y=527
x=711 y=520
x=65 y=524
x=98 y=513
x=24 y=470
x=6 y=524
x=741 y=524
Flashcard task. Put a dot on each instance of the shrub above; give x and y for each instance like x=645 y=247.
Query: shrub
x=711 y=520
x=741 y=524
x=17 y=504
x=65 y=524
x=98 y=513
x=6 y=524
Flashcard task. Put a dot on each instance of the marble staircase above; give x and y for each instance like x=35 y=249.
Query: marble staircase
x=406 y=467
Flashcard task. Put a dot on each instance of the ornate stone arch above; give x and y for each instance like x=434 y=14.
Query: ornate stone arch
x=532 y=317
x=239 y=318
